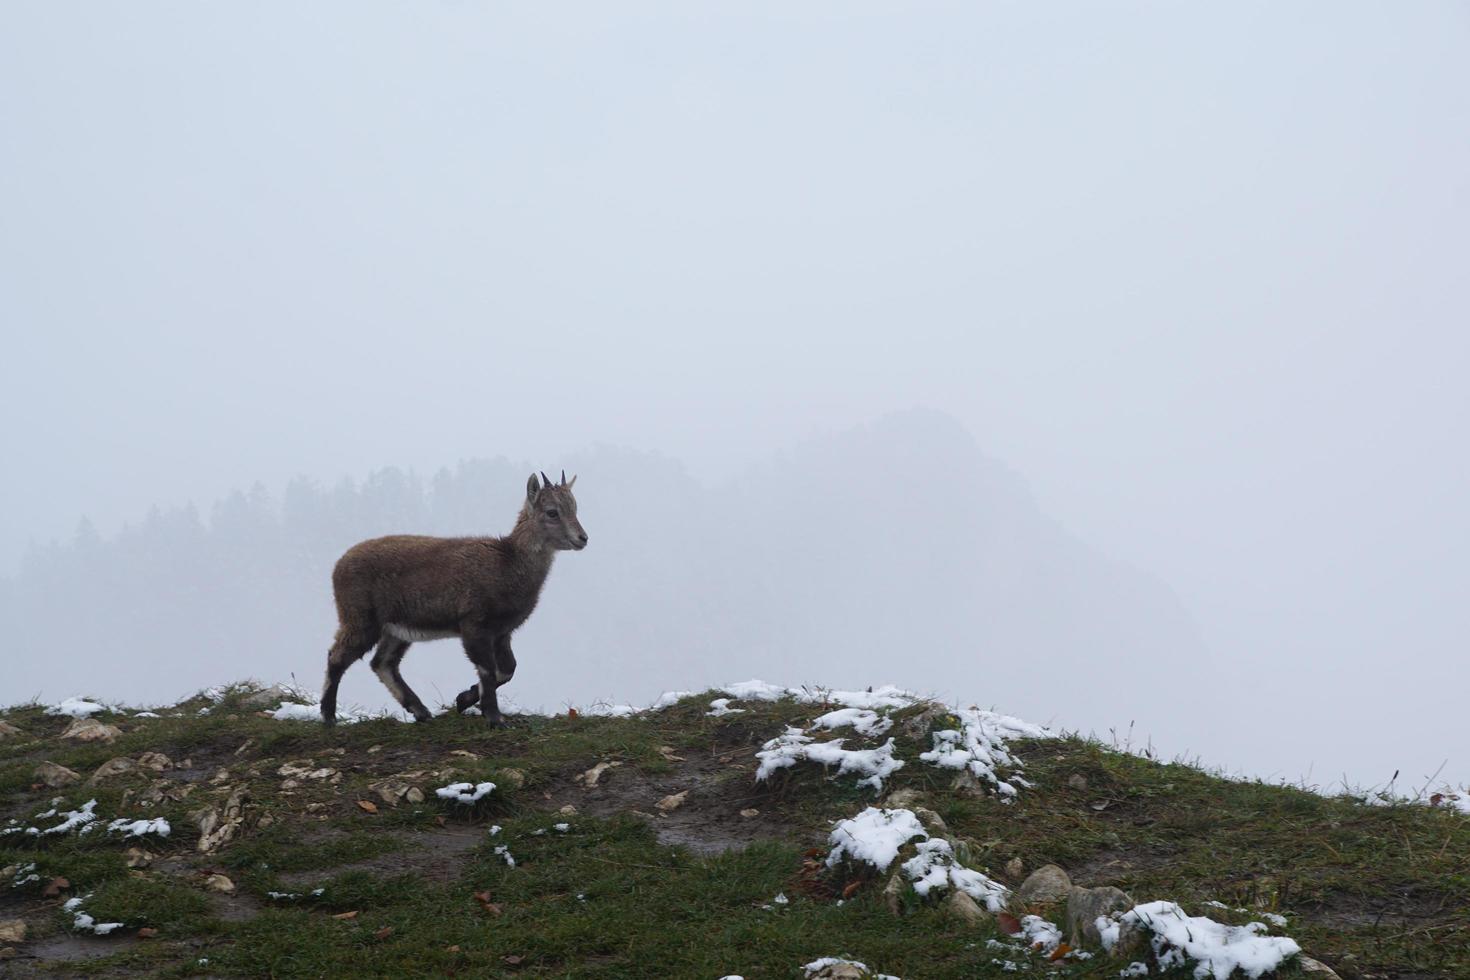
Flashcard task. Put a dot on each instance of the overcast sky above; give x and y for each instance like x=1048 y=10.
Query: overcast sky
x=1197 y=273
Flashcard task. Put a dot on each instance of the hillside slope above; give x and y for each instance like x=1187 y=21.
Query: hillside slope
x=224 y=838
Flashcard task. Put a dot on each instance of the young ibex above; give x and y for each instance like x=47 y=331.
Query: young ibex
x=396 y=590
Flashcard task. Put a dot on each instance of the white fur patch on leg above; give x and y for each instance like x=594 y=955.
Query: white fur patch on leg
x=385 y=674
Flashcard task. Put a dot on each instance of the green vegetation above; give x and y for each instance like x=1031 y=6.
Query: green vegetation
x=333 y=874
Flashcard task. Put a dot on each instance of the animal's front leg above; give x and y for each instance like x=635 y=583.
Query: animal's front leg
x=480 y=648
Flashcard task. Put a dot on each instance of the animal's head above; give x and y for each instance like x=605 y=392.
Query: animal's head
x=553 y=510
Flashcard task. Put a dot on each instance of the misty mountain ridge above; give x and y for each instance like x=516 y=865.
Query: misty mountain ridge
x=895 y=551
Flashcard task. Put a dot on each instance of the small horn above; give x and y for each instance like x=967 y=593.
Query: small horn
x=563 y=477
x=544 y=481
x=574 y=480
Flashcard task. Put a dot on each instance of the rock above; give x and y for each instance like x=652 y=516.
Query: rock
x=902 y=799
x=219 y=826
x=219 y=883
x=932 y=822
x=55 y=776
x=267 y=697
x=591 y=777
x=120 y=766
x=7 y=729
x=136 y=857
x=12 y=931
x=1316 y=968
x=568 y=811
x=514 y=778
x=749 y=812
x=841 y=970
x=1078 y=782
x=1015 y=868
x=966 y=784
x=919 y=725
x=893 y=893
x=1084 y=905
x=154 y=761
x=91 y=730
x=7 y=952
x=671 y=802
x=302 y=769
x=1046 y=884
x=966 y=909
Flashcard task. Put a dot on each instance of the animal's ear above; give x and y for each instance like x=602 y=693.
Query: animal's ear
x=532 y=488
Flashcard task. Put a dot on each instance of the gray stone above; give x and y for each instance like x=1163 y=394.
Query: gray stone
x=966 y=909
x=1015 y=868
x=932 y=821
x=1077 y=781
x=1084 y=905
x=1047 y=884
x=902 y=799
x=120 y=766
x=1316 y=968
x=91 y=730
x=7 y=729
x=13 y=931
x=55 y=776
x=155 y=761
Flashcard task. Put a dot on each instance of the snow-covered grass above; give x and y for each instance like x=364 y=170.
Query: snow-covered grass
x=77 y=707
x=82 y=922
x=467 y=793
x=876 y=836
x=1216 y=950
x=873 y=765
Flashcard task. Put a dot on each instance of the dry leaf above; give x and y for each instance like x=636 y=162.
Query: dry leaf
x=383 y=933
x=494 y=908
x=439 y=820
x=451 y=949
x=513 y=959
x=1009 y=924
x=367 y=806
x=749 y=812
x=482 y=897
x=667 y=752
x=571 y=713
x=147 y=932
x=1062 y=950
x=852 y=886
x=671 y=803
x=55 y=887
x=345 y=916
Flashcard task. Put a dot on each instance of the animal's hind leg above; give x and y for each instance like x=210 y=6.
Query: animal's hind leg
x=385 y=664
x=504 y=667
x=347 y=649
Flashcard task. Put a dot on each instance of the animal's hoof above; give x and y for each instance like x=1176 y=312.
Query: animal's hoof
x=497 y=721
x=467 y=699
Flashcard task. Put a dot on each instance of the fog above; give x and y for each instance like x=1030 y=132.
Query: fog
x=1102 y=365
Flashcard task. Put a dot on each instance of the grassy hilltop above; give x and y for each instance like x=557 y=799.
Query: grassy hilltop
x=293 y=850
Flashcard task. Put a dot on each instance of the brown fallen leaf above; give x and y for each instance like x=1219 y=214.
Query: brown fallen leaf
x=494 y=908
x=345 y=916
x=451 y=949
x=367 y=806
x=571 y=713
x=1009 y=924
x=439 y=820
x=749 y=812
x=147 y=932
x=513 y=960
x=667 y=751
x=1062 y=950
x=852 y=886
x=482 y=897
x=55 y=887
x=671 y=802
x=383 y=933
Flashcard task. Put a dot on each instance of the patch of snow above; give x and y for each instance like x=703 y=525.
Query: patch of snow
x=604 y=710
x=861 y=720
x=137 y=828
x=1040 y=934
x=781 y=899
x=935 y=867
x=720 y=707
x=979 y=746
x=147 y=714
x=1217 y=950
x=80 y=920
x=795 y=746
x=816 y=966
x=561 y=828
x=504 y=852
x=464 y=792
x=668 y=699
x=495 y=829
x=1274 y=919
x=72 y=819
x=1134 y=969
x=76 y=708
x=874 y=836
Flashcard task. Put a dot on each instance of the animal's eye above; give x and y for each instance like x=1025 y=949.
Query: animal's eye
x=552 y=513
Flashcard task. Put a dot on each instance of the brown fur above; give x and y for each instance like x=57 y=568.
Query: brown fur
x=395 y=590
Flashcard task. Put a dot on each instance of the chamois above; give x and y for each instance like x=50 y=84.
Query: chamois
x=397 y=590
